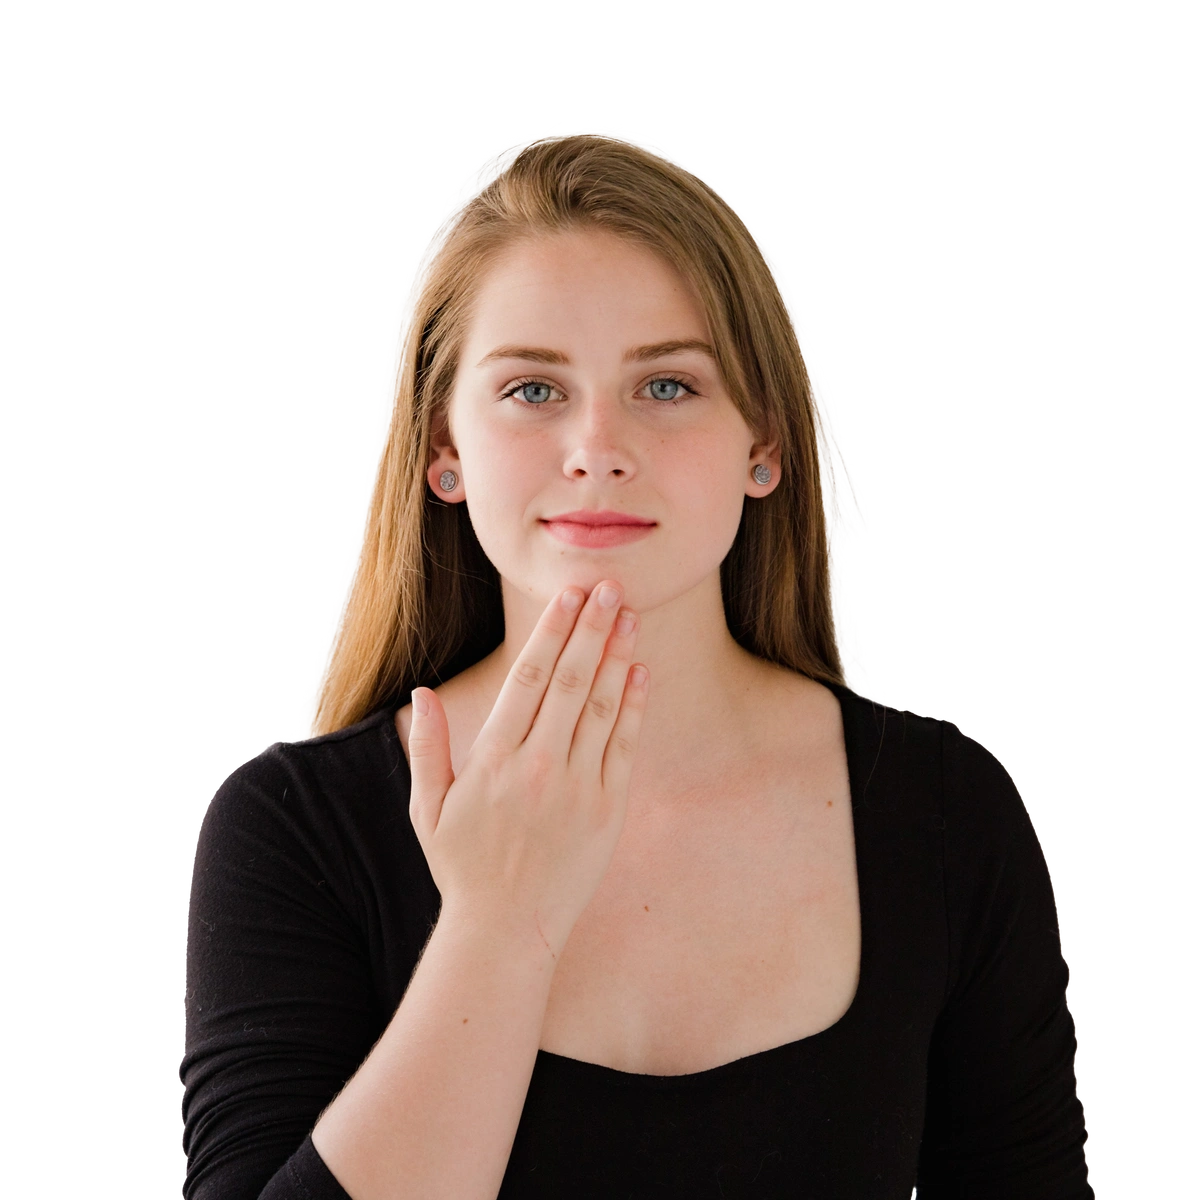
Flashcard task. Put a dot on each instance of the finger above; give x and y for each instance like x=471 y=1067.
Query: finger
x=574 y=673
x=429 y=758
x=521 y=695
x=623 y=741
x=604 y=701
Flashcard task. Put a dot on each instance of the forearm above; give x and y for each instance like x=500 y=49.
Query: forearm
x=433 y=1109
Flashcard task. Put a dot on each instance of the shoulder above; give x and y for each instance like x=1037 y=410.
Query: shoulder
x=308 y=790
x=900 y=759
x=981 y=796
x=894 y=755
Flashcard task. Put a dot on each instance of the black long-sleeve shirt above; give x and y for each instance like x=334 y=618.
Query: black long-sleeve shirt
x=953 y=1068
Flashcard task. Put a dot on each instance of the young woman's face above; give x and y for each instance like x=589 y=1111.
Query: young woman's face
x=586 y=386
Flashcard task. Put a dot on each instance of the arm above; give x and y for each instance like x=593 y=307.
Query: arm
x=282 y=1010
x=1002 y=1117
x=434 y=1109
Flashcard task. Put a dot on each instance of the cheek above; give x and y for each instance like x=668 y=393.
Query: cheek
x=708 y=464
x=505 y=471
x=713 y=479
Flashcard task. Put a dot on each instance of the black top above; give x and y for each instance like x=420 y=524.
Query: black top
x=953 y=1068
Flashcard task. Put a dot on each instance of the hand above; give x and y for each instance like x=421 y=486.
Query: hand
x=526 y=832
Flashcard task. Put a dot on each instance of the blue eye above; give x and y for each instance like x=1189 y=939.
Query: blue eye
x=531 y=394
x=666 y=389
x=534 y=393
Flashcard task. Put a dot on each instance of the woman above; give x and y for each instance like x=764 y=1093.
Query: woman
x=598 y=881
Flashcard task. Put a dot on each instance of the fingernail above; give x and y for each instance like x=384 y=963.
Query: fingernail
x=625 y=623
x=608 y=596
x=639 y=676
x=420 y=703
x=572 y=599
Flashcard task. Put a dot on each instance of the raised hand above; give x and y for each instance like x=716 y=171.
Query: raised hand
x=524 y=835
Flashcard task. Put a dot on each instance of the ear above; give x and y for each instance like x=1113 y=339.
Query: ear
x=443 y=457
x=763 y=454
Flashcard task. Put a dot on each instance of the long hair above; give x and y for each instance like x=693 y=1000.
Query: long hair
x=426 y=601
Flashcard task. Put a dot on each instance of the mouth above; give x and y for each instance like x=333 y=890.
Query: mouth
x=611 y=529
x=585 y=516
x=598 y=525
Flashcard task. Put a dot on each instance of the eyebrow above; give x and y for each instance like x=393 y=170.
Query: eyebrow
x=637 y=354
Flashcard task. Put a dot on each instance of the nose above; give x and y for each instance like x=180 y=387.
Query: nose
x=598 y=440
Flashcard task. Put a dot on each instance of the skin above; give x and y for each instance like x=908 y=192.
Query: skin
x=603 y=439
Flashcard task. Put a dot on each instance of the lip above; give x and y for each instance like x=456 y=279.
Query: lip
x=597 y=529
x=589 y=516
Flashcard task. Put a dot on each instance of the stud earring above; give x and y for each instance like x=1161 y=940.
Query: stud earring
x=762 y=474
x=448 y=481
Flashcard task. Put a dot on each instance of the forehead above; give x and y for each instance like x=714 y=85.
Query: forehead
x=583 y=284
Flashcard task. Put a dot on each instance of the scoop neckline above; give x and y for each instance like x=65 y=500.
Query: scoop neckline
x=600 y=1072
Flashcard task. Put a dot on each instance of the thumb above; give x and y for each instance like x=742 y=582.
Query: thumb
x=429 y=759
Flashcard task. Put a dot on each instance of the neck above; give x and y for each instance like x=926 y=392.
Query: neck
x=701 y=682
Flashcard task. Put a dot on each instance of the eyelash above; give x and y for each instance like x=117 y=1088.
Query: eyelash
x=510 y=392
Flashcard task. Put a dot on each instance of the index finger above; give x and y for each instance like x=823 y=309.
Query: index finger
x=517 y=705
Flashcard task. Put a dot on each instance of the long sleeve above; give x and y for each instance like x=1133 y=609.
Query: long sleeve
x=280 y=1008
x=1002 y=1118
x=312 y=901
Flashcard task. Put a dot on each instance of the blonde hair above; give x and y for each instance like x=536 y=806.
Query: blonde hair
x=426 y=602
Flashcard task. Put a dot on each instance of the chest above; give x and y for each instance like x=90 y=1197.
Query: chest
x=718 y=932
